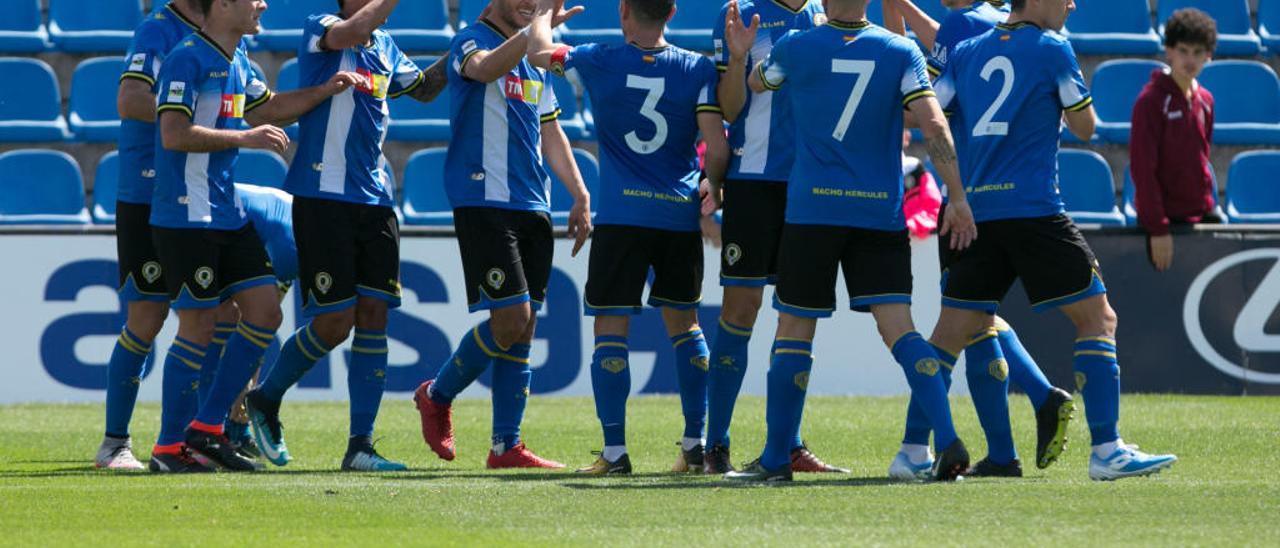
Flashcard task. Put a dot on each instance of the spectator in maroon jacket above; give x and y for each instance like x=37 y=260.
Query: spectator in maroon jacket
x=1171 y=134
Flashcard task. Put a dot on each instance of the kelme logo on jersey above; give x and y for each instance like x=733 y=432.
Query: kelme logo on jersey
x=495 y=277
x=151 y=271
x=613 y=365
x=928 y=366
x=998 y=369
x=232 y=106
x=529 y=91
x=324 y=282
x=732 y=254
x=204 y=277
x=376 y=85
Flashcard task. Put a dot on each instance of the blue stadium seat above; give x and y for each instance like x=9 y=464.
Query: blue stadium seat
x=691 y=27
x=1089 y=192
x=1246 y=98
x=1269 y=25
x=1235 y=30
x=425 y=201
x=106 y=183
x=41 y=187
x=287 y=78
x=261 y=167
x=283 y=20
x=1116 y=85
x=598 y=24
x=469 y=11
x=31 y=111
x=1252 y=196
x=571 y=120
x=1114 y=27
x=93 y=116
x=93 y=25
x=1131 y=211
x=421 y=25
x=414 y=121
x=22 y=28
x=561 y=201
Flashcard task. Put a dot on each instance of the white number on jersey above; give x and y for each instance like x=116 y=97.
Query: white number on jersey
x=863 y=71
x=656 y=87
x=985 y=126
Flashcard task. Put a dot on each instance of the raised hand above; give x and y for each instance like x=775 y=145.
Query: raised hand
x=737 y=36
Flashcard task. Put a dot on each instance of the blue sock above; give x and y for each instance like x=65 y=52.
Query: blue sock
x=922 y=366
x=297 y=356
x=988 y=376
x=918 y=428
x=1098 y=379
x=366 y=378
x=474 y=354
x=209 y=367
x=1023 y=370
x=611 y=384
x=728 y=365
x=181 y=381
x=124 y=375
x=511 y=378
x=239 y=361
x=692 y=362
x=788 y=381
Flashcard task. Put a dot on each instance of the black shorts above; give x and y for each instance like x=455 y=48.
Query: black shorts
x=621 y=257
x=506 y=256
x=141 y=276
x=204 y=267
x=876 y=265
x=1048 y=254
x=754 y=214
x=345 y=250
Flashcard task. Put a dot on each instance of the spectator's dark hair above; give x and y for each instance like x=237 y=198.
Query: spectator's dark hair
x=1192 y=27
x=654 y=11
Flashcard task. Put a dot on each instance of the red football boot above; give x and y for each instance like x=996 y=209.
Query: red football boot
x=520 y=457
x=437 y=422
x=803 y=460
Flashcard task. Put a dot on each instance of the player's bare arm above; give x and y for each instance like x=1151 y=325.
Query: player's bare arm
x=958 y=219
x=540 y=47
x=716 y=160
x=434 y=80
x=925 y=27
x=489 y=65
x=177 y=132
x=559 y=157
x=739 y=38
x=1082 y=122
x=135 y=101
x=358 y=29
x=283 y=108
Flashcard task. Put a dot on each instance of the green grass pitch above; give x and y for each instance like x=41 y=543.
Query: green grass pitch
x=1225 y=490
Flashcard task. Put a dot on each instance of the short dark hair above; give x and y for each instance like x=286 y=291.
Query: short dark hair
x=654 y=11
x=205 y=6
x=1192 y=27
x=1017 y=5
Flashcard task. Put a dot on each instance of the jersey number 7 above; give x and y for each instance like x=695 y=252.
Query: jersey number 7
x=863 y=70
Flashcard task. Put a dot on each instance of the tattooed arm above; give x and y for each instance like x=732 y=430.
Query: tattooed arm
x=958 y=219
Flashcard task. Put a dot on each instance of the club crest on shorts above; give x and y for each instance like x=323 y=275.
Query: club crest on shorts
x=732 y=254
x=324 y=282
x=613 y=365
x=928 y=366
x=999 y=369
x=495 y=277
x=701 y=362
x=151 y=271
x=802 y=380
x=204 y=277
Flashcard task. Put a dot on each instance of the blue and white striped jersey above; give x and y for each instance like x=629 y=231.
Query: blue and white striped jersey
x=495 y=155
x=215 y=88
x=154 y=38
x=340 y=141
x=963 y=24
x=763 y=137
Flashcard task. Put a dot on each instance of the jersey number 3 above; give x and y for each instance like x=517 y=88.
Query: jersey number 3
x=862 y=70
x=655 y=88
x=985 y=126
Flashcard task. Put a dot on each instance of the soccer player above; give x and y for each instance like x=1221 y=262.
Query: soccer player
x=504 y=120
x=142 y=285
x=762 y=138
x=652 y=100
x=996 y=354
x=844 y=211
x=1010 y=88
x=210 y=252
x=345 y=222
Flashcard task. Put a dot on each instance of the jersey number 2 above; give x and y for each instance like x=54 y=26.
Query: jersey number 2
x=863 y=71
x=655 y=88
x=985 y=126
